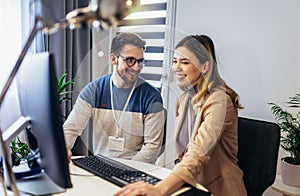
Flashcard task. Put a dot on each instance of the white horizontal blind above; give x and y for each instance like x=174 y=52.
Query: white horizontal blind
x=150 y=23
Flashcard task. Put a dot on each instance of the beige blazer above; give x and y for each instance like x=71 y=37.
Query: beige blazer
x=211 y=156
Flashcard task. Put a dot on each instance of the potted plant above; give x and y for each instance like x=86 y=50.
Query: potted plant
x=20 y=151
x=290 y=139
x=62 y=85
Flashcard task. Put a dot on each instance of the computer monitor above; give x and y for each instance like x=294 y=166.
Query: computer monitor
x=38 y=99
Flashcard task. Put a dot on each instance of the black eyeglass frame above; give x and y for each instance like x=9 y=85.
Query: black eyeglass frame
x=141 y=62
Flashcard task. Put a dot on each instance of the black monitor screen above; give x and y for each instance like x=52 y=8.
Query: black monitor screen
x=38 y=97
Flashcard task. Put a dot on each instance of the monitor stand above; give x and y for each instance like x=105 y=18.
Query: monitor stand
x=39 y=184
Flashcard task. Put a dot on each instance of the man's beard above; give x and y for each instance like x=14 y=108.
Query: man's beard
x=123 y=77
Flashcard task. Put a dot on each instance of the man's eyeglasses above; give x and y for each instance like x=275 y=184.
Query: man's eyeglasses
x=130 y=61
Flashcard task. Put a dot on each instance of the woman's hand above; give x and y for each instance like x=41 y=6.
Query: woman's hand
x=139 y=188
x=164 y=187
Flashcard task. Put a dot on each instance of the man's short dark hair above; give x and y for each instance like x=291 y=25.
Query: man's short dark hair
x=126 y=38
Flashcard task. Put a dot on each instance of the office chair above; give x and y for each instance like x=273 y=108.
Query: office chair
x=163 y=144
x=83 y=145
x=257 y=155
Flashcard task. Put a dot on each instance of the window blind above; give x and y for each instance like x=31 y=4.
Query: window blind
x=150 y=23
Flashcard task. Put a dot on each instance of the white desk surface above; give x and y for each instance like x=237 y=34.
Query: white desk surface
x=86 y=183
x=279 y=186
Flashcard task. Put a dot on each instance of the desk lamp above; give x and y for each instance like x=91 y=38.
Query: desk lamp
x=102 y=14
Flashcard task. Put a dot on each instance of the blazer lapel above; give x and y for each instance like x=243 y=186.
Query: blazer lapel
x=181 y=109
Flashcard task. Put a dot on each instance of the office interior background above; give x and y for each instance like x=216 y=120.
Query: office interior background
x=257 y=46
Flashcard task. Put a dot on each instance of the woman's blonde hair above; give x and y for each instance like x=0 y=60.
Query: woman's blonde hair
x=203 y=49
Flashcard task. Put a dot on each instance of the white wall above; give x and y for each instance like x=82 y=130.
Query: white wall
x=257 y=44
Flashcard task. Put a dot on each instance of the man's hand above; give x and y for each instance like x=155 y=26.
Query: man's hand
x=69 y=153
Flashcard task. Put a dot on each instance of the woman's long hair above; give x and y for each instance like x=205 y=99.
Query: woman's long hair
x=203 y=49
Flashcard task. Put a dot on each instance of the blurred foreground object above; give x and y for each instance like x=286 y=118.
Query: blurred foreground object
x=102 y=14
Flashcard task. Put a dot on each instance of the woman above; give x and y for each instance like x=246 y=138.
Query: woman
x=206 y=129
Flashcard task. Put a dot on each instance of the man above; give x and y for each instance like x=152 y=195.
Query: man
x=127 y=112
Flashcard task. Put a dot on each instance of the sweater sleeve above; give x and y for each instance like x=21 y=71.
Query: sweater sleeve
x=76 y=121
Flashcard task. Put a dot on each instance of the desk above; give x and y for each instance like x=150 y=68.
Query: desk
x=279 y=186
x=85 y=183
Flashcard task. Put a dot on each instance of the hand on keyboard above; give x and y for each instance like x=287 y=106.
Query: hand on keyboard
x=113 y=171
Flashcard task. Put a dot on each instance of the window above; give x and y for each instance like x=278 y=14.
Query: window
x=10 y=37
x=150 y=23
x=155 y=23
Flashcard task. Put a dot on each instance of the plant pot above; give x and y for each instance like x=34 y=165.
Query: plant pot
x=290 y=173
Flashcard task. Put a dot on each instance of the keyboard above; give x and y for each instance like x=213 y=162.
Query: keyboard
x=113 y=171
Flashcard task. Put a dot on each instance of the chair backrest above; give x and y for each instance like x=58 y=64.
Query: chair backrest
x=258 y=152
x=163 y=145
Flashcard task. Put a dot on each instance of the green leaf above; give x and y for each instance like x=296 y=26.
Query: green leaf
x=290 y=124
x=62 y=85
x=19 y=148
